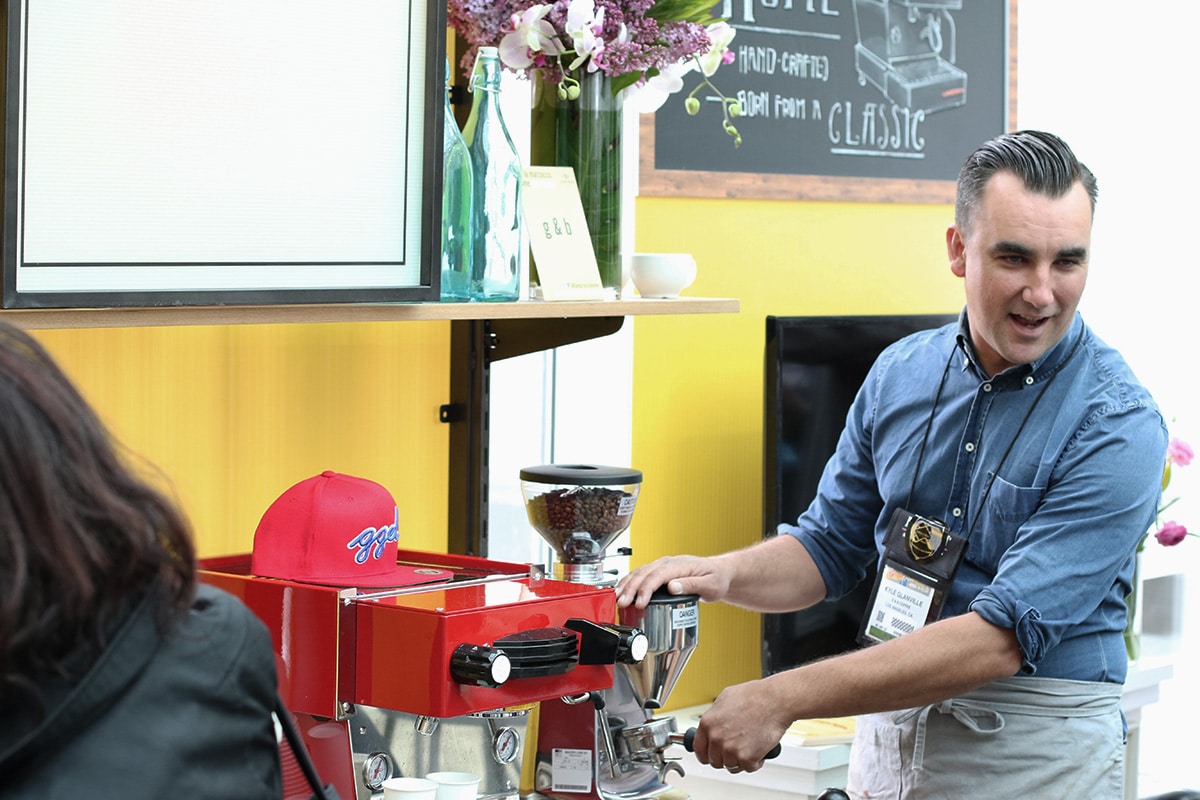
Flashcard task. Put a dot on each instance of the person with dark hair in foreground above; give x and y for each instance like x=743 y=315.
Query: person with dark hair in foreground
x=120 y=676
x=1000 y=472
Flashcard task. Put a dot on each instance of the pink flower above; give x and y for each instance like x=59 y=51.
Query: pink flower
x=1171 y=534
x=1179 y=452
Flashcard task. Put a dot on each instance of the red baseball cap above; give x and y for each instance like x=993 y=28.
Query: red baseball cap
x=335 y=530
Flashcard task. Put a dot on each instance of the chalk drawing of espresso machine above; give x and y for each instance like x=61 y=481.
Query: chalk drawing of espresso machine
x=906 y=49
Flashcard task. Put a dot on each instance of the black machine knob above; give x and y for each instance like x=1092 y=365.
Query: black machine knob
x=479 y=665
x=632 y=644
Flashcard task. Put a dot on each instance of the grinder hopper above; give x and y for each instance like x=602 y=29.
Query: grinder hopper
x=670 y=623
x=579 y=509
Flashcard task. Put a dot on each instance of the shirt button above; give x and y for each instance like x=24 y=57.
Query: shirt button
x=1029 y=380
x=957 y=512
x=987 y=387
x=970 y=447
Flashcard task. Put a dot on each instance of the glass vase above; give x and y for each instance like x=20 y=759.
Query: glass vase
x=585 y=134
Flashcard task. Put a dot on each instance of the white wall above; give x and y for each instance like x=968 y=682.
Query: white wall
x=1115 y=81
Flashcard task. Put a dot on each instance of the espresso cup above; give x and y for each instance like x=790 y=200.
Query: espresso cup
x=662 y=274
x=409 y=789
x=455 y=785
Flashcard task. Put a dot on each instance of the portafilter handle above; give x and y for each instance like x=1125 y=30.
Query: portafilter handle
x=689 y=736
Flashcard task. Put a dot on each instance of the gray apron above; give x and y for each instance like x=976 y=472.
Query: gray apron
x=1017 y=737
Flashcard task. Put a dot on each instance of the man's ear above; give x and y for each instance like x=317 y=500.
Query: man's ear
x=956 y=250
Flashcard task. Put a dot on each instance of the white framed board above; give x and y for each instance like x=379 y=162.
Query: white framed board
x=194 y=152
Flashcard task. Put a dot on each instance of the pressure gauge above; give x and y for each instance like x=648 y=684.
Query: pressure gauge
x=505 y=745
x=376 y=769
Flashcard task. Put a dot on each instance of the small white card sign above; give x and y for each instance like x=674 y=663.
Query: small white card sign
x=558 y=235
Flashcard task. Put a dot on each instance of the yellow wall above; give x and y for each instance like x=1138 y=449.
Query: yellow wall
x=234 y=415
x=697 y=422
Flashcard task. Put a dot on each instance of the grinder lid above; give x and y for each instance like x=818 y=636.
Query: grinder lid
x=581 y=475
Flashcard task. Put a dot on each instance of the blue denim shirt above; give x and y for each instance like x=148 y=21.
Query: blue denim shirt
x=1052 y=533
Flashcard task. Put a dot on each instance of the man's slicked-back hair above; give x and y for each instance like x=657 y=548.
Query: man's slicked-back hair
x=1043 y=162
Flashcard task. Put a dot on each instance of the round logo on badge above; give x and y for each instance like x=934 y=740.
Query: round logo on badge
x=925 y=540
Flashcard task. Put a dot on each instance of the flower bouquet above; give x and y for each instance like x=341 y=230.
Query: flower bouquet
x=588 y=59
x=1168 y=534
x=646 y=48
x=1171 y=533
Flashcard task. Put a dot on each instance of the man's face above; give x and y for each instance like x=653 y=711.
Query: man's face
x=1024 y=263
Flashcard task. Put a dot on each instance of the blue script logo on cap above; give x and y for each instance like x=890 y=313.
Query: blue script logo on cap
x=372 y=541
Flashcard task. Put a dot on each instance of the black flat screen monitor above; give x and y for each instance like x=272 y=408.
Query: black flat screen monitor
x=813 y=369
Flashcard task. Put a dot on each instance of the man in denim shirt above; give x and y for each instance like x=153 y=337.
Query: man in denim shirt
x=1035 y=446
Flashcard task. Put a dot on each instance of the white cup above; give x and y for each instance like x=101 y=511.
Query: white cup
x=409 y=789
x=662 y=274
x=455 y=785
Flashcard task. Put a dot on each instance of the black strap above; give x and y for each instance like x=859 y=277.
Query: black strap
x=320 y=792
x=992 y=478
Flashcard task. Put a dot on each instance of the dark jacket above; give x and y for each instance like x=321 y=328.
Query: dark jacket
x=187 y=715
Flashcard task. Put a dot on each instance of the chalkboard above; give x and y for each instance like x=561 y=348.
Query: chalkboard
x=842 y=99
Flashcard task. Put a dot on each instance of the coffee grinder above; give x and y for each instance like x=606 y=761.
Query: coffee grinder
x=608 y=744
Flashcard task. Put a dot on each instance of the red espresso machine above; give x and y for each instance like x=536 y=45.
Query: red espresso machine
x=440 y=675
x=607 y=744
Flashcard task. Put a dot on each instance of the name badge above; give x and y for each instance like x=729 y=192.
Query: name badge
x=920 y=560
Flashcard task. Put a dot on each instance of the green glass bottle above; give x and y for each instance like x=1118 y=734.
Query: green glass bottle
x=498 y=226
x=457 y=184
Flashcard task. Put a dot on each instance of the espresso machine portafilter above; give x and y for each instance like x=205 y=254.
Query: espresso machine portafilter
x=608 y=744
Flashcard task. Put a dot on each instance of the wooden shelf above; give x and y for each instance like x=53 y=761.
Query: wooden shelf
x=157 y=316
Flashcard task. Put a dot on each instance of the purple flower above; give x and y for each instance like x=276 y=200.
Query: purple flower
x=620 y=37
x=633 y=42
x=1171 y=534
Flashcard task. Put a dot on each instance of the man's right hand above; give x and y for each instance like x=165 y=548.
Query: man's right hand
x=680 y=574
x=774 y=575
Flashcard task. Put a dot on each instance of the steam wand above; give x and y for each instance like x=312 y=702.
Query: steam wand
x=610 y=747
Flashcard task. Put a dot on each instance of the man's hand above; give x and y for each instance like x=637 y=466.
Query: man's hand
x=680 y=574
x=774 y=575
x=741 y=727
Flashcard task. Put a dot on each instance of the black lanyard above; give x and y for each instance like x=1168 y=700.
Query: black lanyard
x=929 y=427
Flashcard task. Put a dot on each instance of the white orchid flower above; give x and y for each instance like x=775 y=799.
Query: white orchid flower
x=584 y=26
x=531 y=34
x=720 y=34
x=648 y=97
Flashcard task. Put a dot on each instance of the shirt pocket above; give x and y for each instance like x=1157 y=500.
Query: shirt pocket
x=1008 y=507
